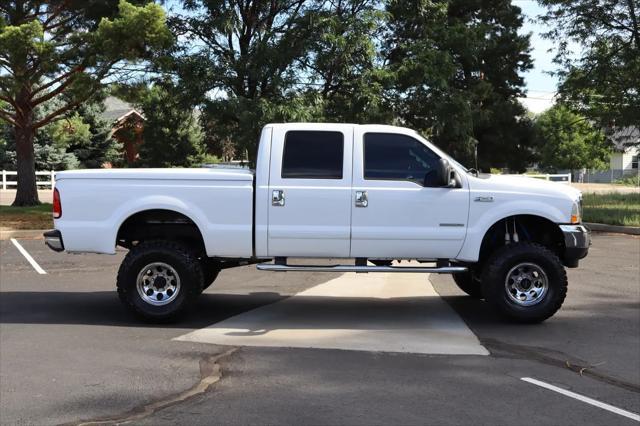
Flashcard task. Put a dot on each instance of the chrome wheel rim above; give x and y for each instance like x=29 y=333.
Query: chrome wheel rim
x=526 y=284
x=158 y=284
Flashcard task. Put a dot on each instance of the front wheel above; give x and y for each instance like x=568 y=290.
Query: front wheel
x=158 y=279
x=525 y=282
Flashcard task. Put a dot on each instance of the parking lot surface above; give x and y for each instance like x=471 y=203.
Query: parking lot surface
x=315 y=348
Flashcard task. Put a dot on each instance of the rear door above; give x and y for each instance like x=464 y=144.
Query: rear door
x=310 y=191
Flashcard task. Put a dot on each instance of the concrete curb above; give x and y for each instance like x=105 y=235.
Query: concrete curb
x=616 y=229
x=27 y=234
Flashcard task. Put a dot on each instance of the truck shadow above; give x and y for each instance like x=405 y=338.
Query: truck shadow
x=103 y=308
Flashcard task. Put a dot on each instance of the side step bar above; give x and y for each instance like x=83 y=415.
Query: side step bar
x=354 y=268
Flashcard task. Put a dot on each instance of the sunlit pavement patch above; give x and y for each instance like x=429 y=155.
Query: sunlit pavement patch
x=366 y=312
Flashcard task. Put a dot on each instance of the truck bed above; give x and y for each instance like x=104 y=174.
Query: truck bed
x=95 y=203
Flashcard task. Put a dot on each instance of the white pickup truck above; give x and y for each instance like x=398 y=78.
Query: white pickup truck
x=370 y=193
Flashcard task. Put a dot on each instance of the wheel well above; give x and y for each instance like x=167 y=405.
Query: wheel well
x=529 y=228
x=159 y=224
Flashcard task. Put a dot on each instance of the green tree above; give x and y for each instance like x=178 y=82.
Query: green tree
x=569 y=141
x=100 y=148
x=244 y=64
x=241 y=119
x=171 y=135
x=70 y=131
x=81 y=139
x=343 y=62
x=5 y=149
x=62 y=52
x=457 y=66
x=51 y=157
x=48 y=155
x=601 y=77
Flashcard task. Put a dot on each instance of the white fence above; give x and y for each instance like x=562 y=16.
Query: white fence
x=47 y=182
x=606 y=176
x=561 y=177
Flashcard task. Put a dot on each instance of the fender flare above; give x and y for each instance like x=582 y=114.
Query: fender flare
x=470 y=250
x=156 y=202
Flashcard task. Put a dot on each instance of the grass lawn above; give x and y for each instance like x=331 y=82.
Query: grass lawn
x=630 y=181
x=612 y=209
x=38 y=217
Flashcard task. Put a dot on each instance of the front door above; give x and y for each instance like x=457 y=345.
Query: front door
x=310 y=193
x=398 y=213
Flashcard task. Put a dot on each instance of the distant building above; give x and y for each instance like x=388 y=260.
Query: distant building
x=127 y=125
x=626 y=148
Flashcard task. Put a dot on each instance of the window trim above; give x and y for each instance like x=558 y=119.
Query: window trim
x=364 y=165
x=284 y=148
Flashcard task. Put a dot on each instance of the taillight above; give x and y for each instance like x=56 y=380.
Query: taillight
x=57 y=205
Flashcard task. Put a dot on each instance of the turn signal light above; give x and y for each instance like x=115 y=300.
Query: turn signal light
x=57 y=205
x=576 y=213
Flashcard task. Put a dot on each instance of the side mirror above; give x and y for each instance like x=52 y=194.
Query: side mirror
x=444 y=174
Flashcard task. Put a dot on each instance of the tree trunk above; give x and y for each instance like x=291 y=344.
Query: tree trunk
x=27 y=194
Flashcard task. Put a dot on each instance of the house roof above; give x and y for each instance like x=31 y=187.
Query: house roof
x=127 y=115
x=115 y=108
x=624 y=137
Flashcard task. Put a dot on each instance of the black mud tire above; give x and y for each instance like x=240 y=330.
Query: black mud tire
x=182 y=259
x=470 y=283
x=210 y=270
x=506 y=258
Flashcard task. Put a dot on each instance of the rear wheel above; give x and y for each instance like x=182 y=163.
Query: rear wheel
x=470 y=283
x=158 y=279
x=525 y=282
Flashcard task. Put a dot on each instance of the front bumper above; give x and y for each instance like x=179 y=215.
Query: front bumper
x=577 y=239
x=53 y=240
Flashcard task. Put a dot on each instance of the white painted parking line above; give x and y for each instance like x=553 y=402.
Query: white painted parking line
x=585 y=399
x=27 y=256
x=368 y=312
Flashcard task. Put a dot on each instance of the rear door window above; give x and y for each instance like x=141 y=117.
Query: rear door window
x=313 y=155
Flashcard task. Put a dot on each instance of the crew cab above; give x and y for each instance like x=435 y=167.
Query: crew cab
x=369 y=193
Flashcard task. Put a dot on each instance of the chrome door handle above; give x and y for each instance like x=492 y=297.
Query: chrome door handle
x=361 y=199
x=277 y=198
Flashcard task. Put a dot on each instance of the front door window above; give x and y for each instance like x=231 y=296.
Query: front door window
x=389 y=156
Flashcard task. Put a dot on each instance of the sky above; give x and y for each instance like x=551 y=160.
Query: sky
x=541 y=87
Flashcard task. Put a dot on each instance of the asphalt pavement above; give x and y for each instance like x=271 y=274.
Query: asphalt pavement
x=70 y=354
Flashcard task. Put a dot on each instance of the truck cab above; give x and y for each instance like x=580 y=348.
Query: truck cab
x=351 y=191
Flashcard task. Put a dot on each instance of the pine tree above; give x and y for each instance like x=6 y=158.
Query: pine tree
x=457 y=67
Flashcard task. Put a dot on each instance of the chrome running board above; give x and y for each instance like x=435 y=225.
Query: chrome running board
x=354 y=268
